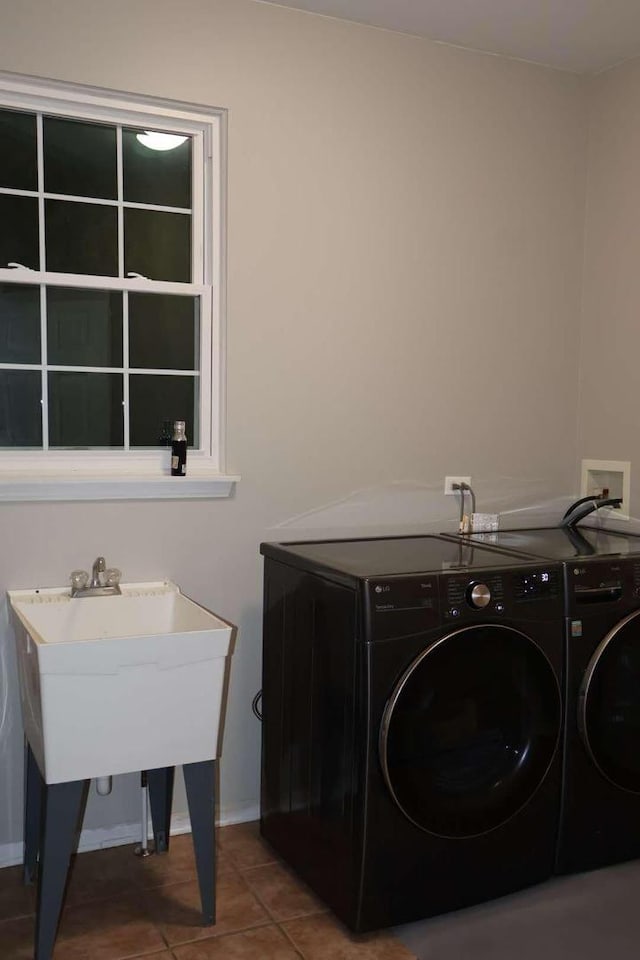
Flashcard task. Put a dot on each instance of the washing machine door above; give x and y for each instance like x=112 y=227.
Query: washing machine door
x=470 y=730
x=609 y=705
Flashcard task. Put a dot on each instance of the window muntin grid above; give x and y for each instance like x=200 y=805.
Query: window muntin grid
x=183 y=285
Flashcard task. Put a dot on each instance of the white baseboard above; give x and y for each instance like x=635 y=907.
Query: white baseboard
x=123 y=833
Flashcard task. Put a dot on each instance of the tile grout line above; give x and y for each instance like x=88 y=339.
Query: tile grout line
x=217 y=936
x=144 y=892
x=321 y=909
x=17 y=916
x=278 y=923
x=290 y=939
x=275 y=921
x=153 y=953
x=260 y=900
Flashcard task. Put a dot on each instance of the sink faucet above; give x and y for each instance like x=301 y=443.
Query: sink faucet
x=103 y=583
x=99 y=566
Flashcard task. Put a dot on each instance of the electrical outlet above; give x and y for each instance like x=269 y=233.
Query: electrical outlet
x=449 y=481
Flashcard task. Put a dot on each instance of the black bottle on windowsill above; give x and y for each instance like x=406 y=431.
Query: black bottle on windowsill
x=178 y=450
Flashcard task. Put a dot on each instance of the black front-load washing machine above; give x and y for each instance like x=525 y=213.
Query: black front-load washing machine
x=600 y=814
x=411 y=759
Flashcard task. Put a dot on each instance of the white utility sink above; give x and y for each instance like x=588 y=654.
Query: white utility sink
x=117 y=684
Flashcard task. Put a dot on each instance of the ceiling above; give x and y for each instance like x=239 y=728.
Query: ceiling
x=583 y=36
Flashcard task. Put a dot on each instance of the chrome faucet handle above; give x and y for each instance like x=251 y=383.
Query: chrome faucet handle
x=79 y=579
x=112 y=577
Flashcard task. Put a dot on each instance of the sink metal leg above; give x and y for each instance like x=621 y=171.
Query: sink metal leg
x=200 y=781
x=33 y=795
x=63 y=806
x=160 y=783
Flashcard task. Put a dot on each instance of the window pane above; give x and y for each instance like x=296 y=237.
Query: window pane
x=19 y=231
x=80 y=158
x=156 y=399
x=84 y=327
x=19 y=323
x=158 y=245
x=20 y=408
x=85 y=410
x=18 y=154
x=164 y=331
x=81 y=238
x=159 y=177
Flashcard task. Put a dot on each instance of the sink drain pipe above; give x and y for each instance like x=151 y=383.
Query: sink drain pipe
x=104 y=786
x=143 y=849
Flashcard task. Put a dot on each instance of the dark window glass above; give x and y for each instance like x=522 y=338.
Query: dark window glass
x=20 y=408
x=158 y=177
x=19 y=231
x=84 y=327
x=85 y=410
x=164 y=331
x=467 y=748
x=19 y=323
x=158 y=245
x=80 y=158
x=81 y=238
x=155 y=399
x=612 y=708
x=18 y=151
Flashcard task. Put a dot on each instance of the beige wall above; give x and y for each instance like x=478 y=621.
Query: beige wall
x=405 y=253
x=608 y=412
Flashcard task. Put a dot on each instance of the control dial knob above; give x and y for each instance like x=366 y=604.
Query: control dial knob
x=478 y=595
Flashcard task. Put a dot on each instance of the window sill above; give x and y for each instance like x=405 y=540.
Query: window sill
x=15 y=487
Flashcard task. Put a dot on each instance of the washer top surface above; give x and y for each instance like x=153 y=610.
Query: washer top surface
x=392 y=556
x=559 y=543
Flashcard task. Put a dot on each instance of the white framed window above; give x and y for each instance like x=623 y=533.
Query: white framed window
x=111 y=292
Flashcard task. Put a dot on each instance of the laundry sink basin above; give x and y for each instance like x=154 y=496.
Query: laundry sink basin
x=113 y=684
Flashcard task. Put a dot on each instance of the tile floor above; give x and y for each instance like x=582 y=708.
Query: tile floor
x=119 y=906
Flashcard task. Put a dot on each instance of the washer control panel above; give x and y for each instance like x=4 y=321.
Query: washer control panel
x=503 y=593
x=405 y=605
x=537 y=585
x=464 y=596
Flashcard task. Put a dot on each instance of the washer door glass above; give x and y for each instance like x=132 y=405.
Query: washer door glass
x=609 y=712
x=470 y=730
